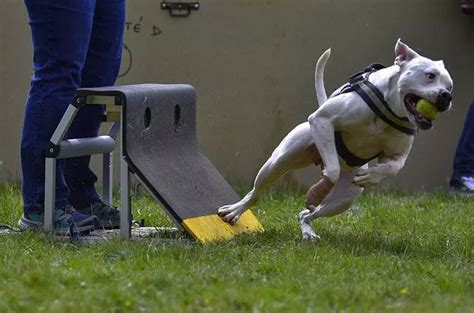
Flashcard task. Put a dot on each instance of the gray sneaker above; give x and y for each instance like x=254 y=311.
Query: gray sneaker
x=67 y=222
x=462 y=186
x=109 y=216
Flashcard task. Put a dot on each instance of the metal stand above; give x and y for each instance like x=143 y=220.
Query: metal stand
x=157 y=127
x=63 y=149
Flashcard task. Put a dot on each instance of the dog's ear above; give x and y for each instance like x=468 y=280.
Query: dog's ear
x=403 y=53
x=440 y=62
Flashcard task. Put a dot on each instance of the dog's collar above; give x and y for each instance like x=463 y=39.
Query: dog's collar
x=372 y=96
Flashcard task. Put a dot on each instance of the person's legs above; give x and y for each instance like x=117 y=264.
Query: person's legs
x=101 y=69
x=463 y=165
x=60 y=33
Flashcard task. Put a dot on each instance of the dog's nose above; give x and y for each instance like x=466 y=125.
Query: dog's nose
x=443 y=101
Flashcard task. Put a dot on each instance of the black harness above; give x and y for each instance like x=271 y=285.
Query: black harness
x=372 y=96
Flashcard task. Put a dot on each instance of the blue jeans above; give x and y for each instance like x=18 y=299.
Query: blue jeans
x=76 y=43
x=464 y=157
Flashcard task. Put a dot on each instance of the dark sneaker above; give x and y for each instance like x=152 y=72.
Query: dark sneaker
x=109 y=216
x=68 y=222
x=464 y=186
x=467 y=6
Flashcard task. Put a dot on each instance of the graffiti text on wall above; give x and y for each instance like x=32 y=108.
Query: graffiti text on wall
x=139 y=27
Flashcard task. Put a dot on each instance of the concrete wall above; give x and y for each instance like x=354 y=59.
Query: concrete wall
x=252 y=63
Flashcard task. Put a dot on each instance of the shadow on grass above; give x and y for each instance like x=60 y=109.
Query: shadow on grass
x=378 y=243
x=363 y=243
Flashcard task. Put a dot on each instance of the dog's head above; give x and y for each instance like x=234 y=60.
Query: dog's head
x=419 y=78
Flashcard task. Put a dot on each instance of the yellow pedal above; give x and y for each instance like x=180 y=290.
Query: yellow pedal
x=210 y=228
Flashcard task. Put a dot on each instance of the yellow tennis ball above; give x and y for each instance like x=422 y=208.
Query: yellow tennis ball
x=427 y=109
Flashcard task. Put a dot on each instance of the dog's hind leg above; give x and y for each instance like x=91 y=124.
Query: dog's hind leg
x=295 y=151
x=273 y=169
x=339 y=199
x=318 y=192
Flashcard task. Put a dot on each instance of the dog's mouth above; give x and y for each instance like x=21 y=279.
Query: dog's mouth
x=420 y=121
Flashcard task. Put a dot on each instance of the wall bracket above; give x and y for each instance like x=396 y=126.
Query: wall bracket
x=180 y=9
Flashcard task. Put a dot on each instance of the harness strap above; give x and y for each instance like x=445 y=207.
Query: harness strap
x=380 y=109
x=350 y=159
x=380 y=96
x=372 y=96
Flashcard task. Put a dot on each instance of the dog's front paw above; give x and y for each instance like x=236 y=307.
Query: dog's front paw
x=366 y=177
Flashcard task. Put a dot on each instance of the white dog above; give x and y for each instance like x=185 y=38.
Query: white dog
x=373 y=117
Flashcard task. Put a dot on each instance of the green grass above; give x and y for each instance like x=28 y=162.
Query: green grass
x=392 y=252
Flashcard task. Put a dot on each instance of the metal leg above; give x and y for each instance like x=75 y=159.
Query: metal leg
x=85 y=146
x=50 y=168
x=107 y=177
x=125 y=207
x=113 y=131
x=64 y=124
x=108 y=167
x=49 y=193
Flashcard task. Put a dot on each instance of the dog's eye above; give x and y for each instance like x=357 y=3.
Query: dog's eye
x=450 y=88
x=431 y=76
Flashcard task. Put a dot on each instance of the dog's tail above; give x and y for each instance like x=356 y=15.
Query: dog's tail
x=319 y=77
